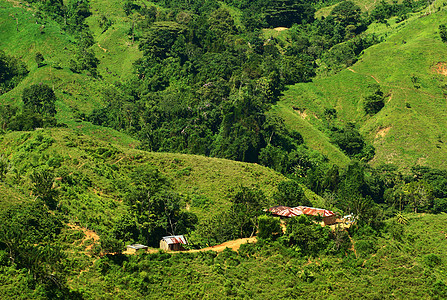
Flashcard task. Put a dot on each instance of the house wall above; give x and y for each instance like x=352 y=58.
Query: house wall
x=176 y=247
x=131 y=250
x=164 y=245
x=330 y=220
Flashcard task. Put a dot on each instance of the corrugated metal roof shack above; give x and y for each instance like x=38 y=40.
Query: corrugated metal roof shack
x=329 y=217
x=134 y=248
x=173 y=243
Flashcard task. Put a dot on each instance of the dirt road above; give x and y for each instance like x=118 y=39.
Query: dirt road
x=233 y=245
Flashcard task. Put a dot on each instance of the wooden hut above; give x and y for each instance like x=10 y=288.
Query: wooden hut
x=173 y=243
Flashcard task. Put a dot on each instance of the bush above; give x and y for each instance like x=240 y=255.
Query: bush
x=308 y=237
x=432 y=260
x=375 y=101
x=40 y=99
x=290 y=194
x=443 y=33
x=348 y=139
x=365 y=247
x=440 y=205
x=439 y=290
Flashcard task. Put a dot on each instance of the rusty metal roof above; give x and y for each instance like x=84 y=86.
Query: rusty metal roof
x=285 y=211
x=277 y=209
x=175 y=239
x=312 y=211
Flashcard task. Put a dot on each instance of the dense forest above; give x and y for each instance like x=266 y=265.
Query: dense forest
x=198 y=136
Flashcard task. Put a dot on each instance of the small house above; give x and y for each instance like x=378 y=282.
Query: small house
x=136 y=248
x=173 y=243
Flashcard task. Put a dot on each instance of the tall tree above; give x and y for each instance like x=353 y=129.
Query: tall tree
x=40 y=98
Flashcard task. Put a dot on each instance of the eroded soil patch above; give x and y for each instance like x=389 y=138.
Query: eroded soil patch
x=441 y=68
x=382 y=131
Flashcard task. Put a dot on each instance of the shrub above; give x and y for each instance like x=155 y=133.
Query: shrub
x=365 y=247
x=40 y=99
x=308 y=237
x=439 y=290
x=39 y=59
x=432 y=260
x=268 y=226
x=375 y=101
x=290 y=194
x=440 y=205
x=443 y=33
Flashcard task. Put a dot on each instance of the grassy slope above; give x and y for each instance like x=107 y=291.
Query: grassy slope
x=365 y=5
x=10 y=195
x=191 y=175
x=388 y=268
x=401 y=135
x=313 y=138
x=113 y=47
x=75 y=92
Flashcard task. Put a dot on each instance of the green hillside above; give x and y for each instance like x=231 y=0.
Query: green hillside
x=409 y=264
x=123 y=122
x=410 y=129
x=195 y=177
x=401 y=135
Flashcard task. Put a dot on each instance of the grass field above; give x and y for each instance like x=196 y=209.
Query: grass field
x=411 y=128
x=75 y=92
x=207 y=180
x=407 y=265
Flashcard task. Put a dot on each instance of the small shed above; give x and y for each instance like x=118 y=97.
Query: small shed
x=136 y=248
x=173 y=243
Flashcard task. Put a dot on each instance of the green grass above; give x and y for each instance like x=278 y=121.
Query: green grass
x=75 y=92
x=313 y=138
x=404 y=136
x=389 y=268
x=190 y=175
x=235 y=13
x=10 y=195
x=113 y=47
x=365 y=5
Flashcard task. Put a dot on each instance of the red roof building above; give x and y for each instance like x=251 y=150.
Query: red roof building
x=328 y=216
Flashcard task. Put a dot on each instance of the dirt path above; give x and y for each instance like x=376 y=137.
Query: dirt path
x=89 y=235
x=233 y=245
x=19 y=4
x=391 y=96
x=377 y=80
x=103 y=49
x=367 y=8
x=372 y=76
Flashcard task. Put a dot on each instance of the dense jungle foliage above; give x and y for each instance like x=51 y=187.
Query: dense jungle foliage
x=211 y=157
